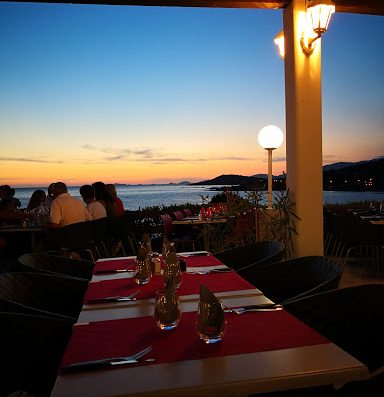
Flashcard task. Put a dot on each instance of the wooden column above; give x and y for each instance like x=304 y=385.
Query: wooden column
x=303 y=132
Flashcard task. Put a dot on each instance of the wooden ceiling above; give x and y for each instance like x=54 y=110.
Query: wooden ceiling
x=373 y=7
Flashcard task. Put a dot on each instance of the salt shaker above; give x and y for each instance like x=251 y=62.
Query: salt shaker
x=183 y=265
x=156 y=264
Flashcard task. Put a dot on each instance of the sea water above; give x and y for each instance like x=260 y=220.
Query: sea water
x=135 y=197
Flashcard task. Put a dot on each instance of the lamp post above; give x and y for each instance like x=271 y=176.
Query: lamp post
x=270 y=138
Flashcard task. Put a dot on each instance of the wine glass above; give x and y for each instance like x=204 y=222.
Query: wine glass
x=143 y=272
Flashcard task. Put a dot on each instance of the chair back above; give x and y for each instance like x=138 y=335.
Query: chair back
x=178 y=215
x=167 y=223
x=187 y=212
x=294 y=278
x=47 y=292
x=77 y=237
x=32 y=347
x=252 y=255
x=11 y=306
x=352 y=318
x=58 y=265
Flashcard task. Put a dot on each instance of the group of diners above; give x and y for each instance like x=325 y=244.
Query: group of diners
x=99 y=200
x=58 y=207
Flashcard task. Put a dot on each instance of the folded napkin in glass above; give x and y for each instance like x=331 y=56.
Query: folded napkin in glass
x=210 y=324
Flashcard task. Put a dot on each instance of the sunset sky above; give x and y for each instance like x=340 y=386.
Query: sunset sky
x=158 y=94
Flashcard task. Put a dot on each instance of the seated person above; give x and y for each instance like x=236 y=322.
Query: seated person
x=37 y=199
x=119 y=204
x=65 y=209
x=95 y=208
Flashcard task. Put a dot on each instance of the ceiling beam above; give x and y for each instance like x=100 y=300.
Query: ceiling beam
x=372 y=7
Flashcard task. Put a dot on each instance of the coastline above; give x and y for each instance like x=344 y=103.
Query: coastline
x=136 y=197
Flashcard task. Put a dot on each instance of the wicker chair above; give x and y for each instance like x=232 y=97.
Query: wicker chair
x=249 y=257
x=294 y=278
x=47 y=292
x=77 y=237
x=58 y=265
x=352 y=318
x=10 y=306
x=31 y=351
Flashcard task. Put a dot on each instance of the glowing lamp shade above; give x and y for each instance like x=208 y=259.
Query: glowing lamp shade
x=320 y=12
x=270 y=137
x=279 y=41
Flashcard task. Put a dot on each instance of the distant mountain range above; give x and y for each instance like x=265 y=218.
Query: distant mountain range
x=362 y=175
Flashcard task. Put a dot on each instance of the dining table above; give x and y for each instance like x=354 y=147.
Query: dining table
x=32 y=233
x=261 y=351
x=204 y=223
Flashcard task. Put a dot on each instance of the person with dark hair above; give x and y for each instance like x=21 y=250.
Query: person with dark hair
x=8 y=192
x=95 y=208
x=102 y=195
x=9 y=213
x=49 y=199
x=37 y=199
x=119 y=204
x=65 y=209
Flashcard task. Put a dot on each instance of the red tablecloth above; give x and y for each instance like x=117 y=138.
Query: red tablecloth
x=129 y=263
x=216 y=282
x=246 y=333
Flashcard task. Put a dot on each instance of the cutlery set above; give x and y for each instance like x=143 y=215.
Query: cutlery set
x=130 y=297
x=108 y=362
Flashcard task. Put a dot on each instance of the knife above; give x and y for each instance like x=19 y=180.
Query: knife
x=113 y=271
x=262 y=306
x=196 y=254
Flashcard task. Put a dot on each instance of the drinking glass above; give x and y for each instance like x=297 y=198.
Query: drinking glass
x=211 y=325
x=143 y=272
x=167 y=310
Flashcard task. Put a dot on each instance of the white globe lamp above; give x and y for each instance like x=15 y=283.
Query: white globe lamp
x=270 y=138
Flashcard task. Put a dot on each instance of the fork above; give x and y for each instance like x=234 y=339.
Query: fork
x=106 y=362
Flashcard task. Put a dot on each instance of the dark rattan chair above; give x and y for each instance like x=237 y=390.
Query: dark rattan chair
x=47 y=292
x=77 y=238
x=352 y=318
x=31 y=351
x=287 y=280
x=59 y=265
x=7 y=305
x=247 y=257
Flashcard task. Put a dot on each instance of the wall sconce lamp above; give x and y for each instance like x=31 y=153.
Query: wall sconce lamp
x=279 y=41
x=319 y=12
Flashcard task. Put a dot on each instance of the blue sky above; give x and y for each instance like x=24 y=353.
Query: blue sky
x=147 y=94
